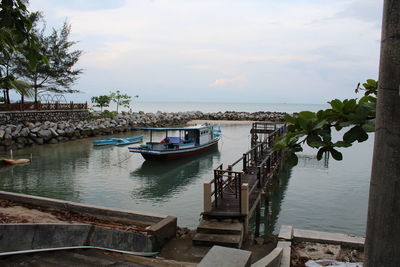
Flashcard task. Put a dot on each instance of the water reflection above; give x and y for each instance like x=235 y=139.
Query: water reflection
x=271 y=207
x=162 y=179
x=49 y=172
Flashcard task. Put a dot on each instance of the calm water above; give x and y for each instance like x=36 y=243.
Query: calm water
x=329 y=196
x=215 y=107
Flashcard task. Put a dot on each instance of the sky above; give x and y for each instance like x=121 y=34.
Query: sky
x=239 y=51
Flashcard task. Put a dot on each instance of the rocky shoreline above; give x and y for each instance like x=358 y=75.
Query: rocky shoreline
x=17 y=136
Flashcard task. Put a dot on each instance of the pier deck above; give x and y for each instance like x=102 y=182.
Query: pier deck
x=235 y=195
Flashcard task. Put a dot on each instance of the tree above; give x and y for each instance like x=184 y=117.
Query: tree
x=382 y=245
x=101 y=101
x=16 y=32
x=314 y=128
x=59 y=74
x=16 y=35
x=120 y=99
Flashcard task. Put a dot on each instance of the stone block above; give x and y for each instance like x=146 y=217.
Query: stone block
x=226 y=257
x=286 y=232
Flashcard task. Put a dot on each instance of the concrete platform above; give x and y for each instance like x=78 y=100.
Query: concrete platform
x=216 y=227
x=300 y=235
x=234 y=241
x=286 y=232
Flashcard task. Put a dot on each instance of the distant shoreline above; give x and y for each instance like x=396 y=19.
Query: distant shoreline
x=222 y=122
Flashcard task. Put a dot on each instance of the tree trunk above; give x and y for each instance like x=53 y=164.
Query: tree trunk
x=382 y=245
x=8 y=101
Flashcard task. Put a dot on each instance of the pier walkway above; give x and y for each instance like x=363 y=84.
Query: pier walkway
x=234 y=194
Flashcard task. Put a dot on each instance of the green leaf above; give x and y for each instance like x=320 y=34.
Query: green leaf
x=369 y=126
x=289 y=119
x=314 y=140
x=321 y=152
x=303 y=123
x=320 y=125
x=336 y=154
x=291 y=159
x=308 y=115
x=342 y=144
x=349 y=105
x=336 y=105
x=355 y=134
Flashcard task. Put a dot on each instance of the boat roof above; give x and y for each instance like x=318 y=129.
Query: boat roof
x=195 y=127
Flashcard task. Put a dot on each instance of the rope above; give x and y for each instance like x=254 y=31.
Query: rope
x=118 y=163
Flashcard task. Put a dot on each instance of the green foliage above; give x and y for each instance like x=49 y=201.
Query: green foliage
x=59 y=74
x=314 y=128
x=16 y=32
x=120 y=99
x=17 y=37
x=109 y=114
x=101 y=101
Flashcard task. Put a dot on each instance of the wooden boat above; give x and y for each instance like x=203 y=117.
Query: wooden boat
x=15 y=161
x=118 y=141
x=187 y=141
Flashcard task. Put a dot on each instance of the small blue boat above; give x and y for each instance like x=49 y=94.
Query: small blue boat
x=118 y=141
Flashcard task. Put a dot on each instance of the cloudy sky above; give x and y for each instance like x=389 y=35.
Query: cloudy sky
x=265 y=51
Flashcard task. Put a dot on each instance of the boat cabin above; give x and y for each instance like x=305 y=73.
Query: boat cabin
x=181 y=137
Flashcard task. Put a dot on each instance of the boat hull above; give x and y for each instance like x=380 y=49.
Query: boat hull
x=176 y=154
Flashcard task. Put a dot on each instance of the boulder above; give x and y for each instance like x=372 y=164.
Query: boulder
x=39 y=141
x=44 y=133
x=53 y=132
x=2 y=133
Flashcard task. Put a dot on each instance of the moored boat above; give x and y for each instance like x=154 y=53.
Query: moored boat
x=118 y=141
x=184 y=142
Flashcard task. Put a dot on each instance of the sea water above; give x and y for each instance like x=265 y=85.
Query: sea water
x=317 y=195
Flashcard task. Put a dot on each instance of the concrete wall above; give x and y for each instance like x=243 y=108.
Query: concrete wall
x=15 y=237
x=13 y=117
x=159 y=228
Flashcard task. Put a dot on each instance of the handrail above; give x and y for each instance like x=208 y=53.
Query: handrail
x=28 y=106
x=227 y=177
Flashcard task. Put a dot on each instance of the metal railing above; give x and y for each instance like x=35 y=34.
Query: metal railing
x=30 y=106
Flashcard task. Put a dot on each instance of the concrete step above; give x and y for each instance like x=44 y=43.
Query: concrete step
x=201 y=239
x=215 y=227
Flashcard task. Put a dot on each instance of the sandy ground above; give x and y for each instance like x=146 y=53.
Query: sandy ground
x=25 y=215
x=181 y=248
x=11 y=212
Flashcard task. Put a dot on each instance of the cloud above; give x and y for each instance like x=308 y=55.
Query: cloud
x=238 y=80
x=166 y=47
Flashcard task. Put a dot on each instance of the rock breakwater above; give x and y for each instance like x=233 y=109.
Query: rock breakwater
x=27 y=133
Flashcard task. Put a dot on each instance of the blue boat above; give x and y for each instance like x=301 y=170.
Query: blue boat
x=118 y=141
x=187 y=141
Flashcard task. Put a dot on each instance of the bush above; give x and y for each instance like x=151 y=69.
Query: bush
x=109 y=114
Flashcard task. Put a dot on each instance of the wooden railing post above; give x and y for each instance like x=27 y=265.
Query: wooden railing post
x=207 y=196
x=259 y=175
x=216 y=188
x=244 y=201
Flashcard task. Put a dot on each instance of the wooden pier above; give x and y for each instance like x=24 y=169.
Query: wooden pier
x=234 y=194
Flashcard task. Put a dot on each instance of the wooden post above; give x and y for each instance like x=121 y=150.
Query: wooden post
x=207 y=196
x=244 y=204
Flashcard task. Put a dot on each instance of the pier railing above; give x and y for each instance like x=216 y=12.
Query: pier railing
x=258 y=161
